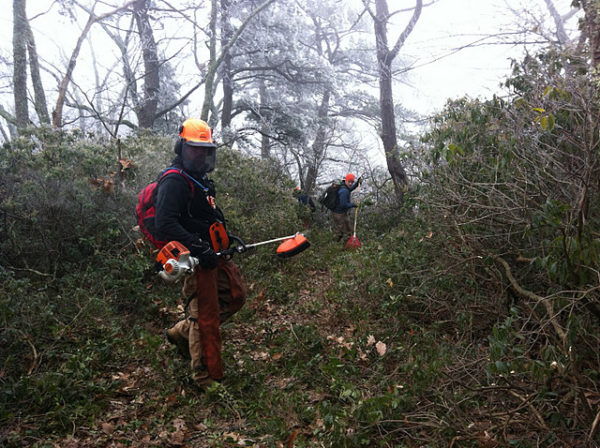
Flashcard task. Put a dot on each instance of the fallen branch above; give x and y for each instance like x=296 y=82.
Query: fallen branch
x=594 y=427
x=539 y=299
x=34 y=355
x=535 y=412
x=33 y=271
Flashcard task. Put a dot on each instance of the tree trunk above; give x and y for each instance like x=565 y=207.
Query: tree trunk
x=319 y=144
x=561 y=34
x=386 y=99
x=4 y=134
x=146 y=111
x=388 y=131
x=20 y=63
x=213 y=63
x=226 y=33
x=100 y=121
x=41 y=106
x=265 y=145
x=128 y=73
x=386 y=102
x=12 y=123
x=592 y=30
x=62 y=90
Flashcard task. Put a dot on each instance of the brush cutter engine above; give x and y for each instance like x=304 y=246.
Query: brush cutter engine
x=175 y=261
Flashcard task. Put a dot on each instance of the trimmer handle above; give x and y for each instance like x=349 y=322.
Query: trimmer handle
x=233 y=249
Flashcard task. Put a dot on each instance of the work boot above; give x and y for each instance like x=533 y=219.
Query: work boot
x=201 y=377
x=181 y=343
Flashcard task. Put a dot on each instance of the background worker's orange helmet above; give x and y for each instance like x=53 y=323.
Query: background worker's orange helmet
x=349 y=177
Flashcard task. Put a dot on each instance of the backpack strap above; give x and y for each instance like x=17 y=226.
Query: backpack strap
x=189 y=178
x=172 y=170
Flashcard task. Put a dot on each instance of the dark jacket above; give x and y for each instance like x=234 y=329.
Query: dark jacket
x=344 y=203
x=181 y=215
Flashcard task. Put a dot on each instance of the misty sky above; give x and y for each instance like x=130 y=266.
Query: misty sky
x=449 y=24
x=443 y=27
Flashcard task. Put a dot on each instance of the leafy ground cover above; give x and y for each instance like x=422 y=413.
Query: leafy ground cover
x=419 y=338
x=319 y=356
x=306 y=366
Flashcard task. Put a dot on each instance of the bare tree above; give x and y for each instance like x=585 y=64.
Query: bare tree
x=64 y=84
x=20 y=63
x=146 y=110
x=216 y=58
x=385 y=57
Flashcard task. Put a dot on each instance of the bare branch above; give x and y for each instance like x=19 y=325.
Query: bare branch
x=57 y=112
x=409 y=28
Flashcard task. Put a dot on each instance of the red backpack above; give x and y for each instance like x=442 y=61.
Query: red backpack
x=145 y=212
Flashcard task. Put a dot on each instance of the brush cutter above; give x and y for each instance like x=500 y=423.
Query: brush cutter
x=174 y=260
x=292 y=245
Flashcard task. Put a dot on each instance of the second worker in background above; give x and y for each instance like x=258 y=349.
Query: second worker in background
x=341 y=222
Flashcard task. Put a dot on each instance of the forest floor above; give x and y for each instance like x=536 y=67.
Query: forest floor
x=332 y=349
x=157 y=404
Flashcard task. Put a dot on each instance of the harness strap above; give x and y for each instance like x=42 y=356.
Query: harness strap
x=189 y=300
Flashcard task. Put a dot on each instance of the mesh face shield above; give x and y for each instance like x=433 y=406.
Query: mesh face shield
x=199 y=158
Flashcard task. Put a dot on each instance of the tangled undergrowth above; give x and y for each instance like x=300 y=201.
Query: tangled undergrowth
x=418 y=338
x=330 y=350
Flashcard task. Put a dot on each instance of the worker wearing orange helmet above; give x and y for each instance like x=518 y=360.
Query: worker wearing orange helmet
x=185 y=211
x=341 y=221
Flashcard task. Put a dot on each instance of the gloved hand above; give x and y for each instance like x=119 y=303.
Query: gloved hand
x=360 y=180
x=204 y=253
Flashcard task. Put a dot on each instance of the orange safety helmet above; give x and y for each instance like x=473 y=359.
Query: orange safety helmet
x=349 y=177
x=196 y=146
x=196 y=132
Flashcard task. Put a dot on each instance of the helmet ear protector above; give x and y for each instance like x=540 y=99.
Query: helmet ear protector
x=179 y=142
